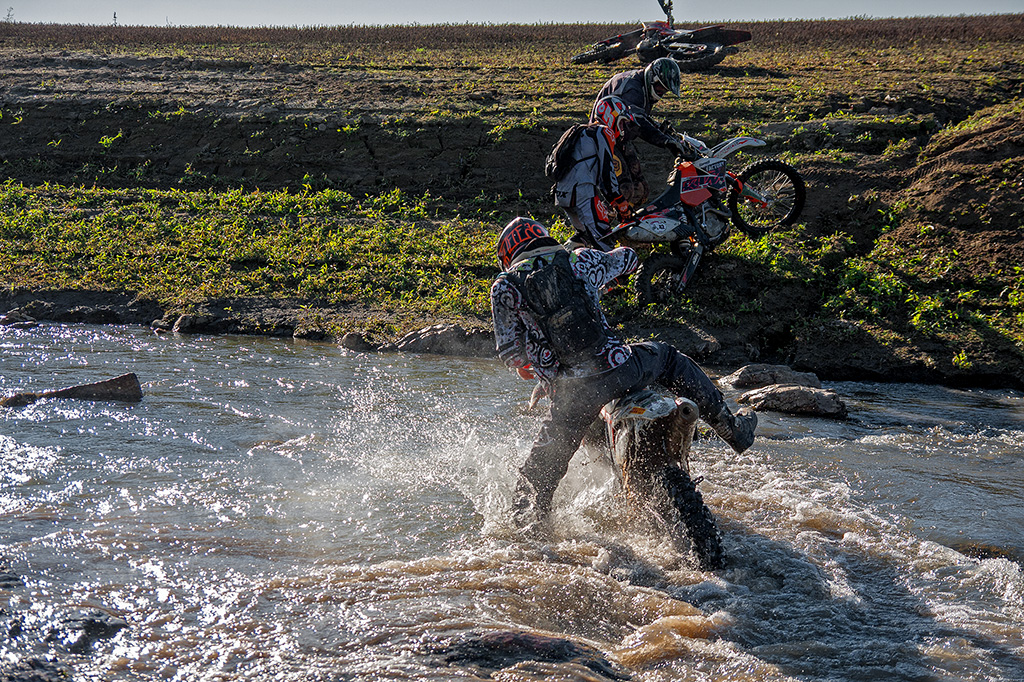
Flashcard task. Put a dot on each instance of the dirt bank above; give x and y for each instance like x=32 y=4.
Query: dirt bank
x=915 y=188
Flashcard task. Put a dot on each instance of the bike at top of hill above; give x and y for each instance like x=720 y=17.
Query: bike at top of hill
x=693 y=49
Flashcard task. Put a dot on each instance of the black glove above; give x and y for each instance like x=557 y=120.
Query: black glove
x=682 y=150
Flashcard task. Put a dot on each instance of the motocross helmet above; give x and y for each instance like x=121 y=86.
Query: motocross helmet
x=519 y=236
x=661 y=76
x=613 y=113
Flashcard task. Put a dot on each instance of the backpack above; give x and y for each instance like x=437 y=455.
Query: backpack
x=559 y=161
x=563 y=309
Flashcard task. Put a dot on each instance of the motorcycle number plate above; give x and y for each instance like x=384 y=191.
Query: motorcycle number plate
x=652 y=229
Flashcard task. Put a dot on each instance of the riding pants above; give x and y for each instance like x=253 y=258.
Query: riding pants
x=576 y=403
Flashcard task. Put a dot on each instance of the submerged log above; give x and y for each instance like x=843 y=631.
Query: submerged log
x=125 y=388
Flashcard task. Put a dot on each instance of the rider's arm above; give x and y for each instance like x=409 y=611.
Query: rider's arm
x=652 y=133
x=509 y=334
x=600 y=268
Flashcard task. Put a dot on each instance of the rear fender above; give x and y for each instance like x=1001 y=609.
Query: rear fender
x=649 y=430
x=717 y=34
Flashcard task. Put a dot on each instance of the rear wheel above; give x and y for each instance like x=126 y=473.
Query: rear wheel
x=686 y=514
x=690 y=59
x=600 y=53
x=773 y=196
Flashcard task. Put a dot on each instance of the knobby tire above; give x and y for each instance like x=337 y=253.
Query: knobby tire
x=601 y=53
x=780 y=179
x=649 y=285
x=713 y=57
x=687 y=514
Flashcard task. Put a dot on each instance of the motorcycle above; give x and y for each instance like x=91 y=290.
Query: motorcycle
x=694 y=213
x=693 y=49
x=646 y=438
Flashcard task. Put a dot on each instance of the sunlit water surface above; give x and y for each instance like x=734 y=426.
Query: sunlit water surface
x=278 y=511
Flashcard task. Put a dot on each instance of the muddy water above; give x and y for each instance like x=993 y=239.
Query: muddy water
x=274 y=511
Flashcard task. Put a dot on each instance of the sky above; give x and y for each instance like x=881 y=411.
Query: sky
x=362 y=12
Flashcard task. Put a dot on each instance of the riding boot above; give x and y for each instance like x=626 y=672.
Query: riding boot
x=531 y=509
x=735 y=429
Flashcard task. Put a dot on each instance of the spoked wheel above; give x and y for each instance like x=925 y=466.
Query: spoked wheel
x=686 y=514
x=690 y=59
x=773 y=195
x=600 y=53
x=660 y=279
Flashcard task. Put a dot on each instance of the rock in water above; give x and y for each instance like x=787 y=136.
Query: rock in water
x=803 y=400
x=754 y=376
x=125 y=388
x=506 y=648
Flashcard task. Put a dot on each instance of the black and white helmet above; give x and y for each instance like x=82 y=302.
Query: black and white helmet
x=661 y=76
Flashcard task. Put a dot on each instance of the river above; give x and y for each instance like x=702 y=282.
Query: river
x=274 y=510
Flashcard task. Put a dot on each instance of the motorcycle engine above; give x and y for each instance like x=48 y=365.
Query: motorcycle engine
x=715 y=223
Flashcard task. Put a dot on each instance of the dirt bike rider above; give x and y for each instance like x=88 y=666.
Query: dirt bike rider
x=591 y=186
x=640 y=89
x=580 y=363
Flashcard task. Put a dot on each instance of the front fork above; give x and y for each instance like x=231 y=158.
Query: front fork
x=691 y=257
x=747 y=192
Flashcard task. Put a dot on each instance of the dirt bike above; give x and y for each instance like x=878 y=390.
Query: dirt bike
x=693 y=49
x=694 y=213
x=646 y=437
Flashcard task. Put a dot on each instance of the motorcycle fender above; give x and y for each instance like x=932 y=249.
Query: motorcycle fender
x=735 y=144
x=645 y=404
x=719 y=34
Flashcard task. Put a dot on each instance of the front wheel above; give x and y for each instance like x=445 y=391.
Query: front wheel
x=772 y=195
x=687 y=514
x=660 y=279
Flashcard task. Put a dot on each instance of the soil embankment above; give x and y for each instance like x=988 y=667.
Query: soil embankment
x=913 y=157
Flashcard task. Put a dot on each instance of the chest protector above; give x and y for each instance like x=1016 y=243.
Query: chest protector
x=563 y=309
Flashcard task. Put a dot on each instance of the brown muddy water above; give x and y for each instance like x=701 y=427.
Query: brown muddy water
x=277 y=511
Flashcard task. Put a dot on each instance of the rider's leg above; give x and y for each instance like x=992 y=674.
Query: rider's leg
x=677 y=372
x=575 y=404
x=589 y=216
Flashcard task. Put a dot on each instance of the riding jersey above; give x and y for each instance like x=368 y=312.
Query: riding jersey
x=521 y=343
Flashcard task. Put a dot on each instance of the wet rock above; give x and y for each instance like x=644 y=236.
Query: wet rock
x=507 y=648
x=310 y=334
x=192 y=324
x=90 y=315
x=17 y=320
x=79 y=632
x=791 y=399
x=356 y=342
x=8 y=579
x=448 y=339
x=755 y=376
x=35 y=670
